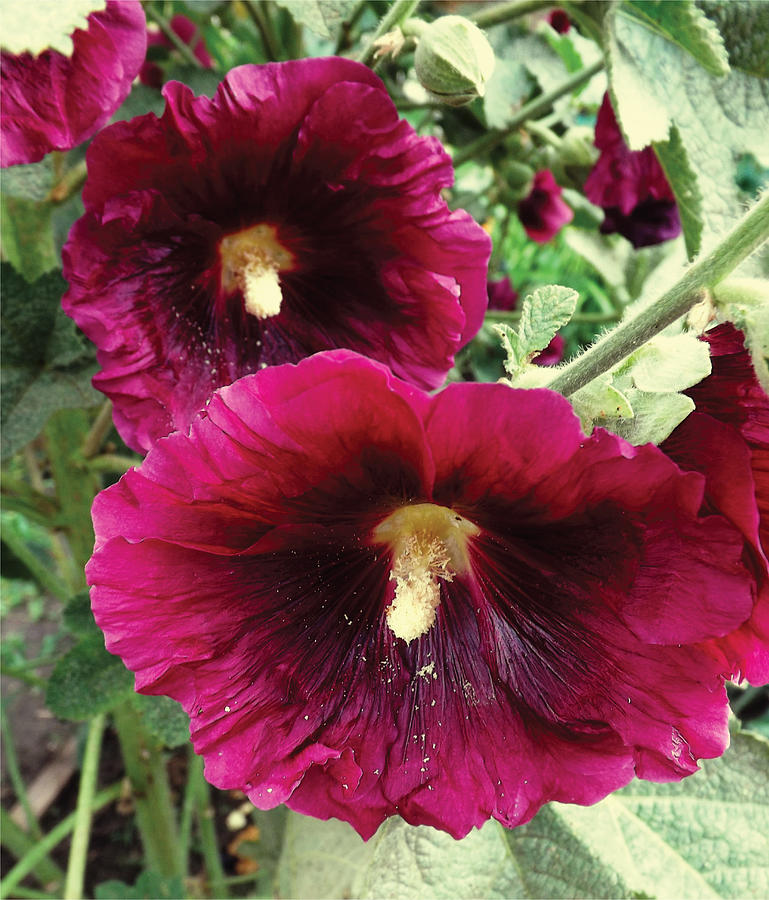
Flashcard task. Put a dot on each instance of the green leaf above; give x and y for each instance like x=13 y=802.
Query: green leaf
x=78 y=618
x=321 y=859
x=744 y=25
x=87 y=680
x=27 y=235
x=655 y=83
x=669 y=363
x=599 y=402
x=544 y=311
x=684 y=24
x=46 y=364
x=321 y=16
x=149 y=886
x=506 y=90
x=675 y=162
x=706 y=836
x=655 y=416
x=32 y=182
x=164 y=718
x=34 y=27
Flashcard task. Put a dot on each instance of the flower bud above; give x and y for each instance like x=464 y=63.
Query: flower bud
x=453 y=60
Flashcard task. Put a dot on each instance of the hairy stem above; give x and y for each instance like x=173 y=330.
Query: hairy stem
x=529 y=111
x=73 y=886
x=746 y=236
x=505 y=12
x=155 y=815
x=398 y=12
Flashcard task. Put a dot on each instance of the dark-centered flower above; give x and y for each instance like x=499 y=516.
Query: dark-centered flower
x=151 y=73
x=543 y=213
x=54 y=102
x=504 y=297
x=727 y=439
x=376 y=602
x=293 y=212
x=630 y=186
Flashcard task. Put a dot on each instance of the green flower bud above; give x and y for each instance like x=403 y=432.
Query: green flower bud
x=453 y=60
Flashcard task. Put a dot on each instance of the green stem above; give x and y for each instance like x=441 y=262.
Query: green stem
x=264 y=26
x=146 y=771
x=95 y=437
x=400 y=10
x=42 y=848
x=30 y=894
x=78 y=852
x=746 y=236
x=530 y=111
x=112 y=463
x=207 y=831
x=47 y=580
x=20 y=843
x=188 y=805
x=186 y=51
x=14 y=772
x=505 y=12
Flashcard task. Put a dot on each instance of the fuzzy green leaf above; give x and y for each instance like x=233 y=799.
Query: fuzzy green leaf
x=744 y=25
x=706 y=836
x=684 y=24
x=321 y=859
x=78 y=618
x=34 y=27
x=669 y=363
x=675 y=162
x=46 y=365
x=164 y=718
x=321 y=16
x=87 y=680
x=655 y=83
x=544 y=311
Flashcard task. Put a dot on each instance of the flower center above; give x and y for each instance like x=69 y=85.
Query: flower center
x=251 y=261
x=428 y=543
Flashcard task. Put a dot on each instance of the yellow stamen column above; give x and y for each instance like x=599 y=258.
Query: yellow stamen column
x=429 y=544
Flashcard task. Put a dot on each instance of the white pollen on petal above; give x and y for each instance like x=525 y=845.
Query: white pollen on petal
x=261 y=291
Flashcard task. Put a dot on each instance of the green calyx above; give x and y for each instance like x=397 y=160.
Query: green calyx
x=453 y=60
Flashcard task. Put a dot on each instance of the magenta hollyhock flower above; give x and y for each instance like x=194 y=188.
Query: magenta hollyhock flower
x=559 y=20
x=293 y=212
x=151 y=74
x=503 y=297
x=376 y=602
x=543 y=213
x=54 y=102
x=727 y=439
x=630 y=186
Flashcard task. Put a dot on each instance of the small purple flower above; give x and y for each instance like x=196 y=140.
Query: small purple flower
x=55 y=102
x=503 y=297
x=374 y=602
x=543 y=213
x=294 y=212
x=630 y=186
